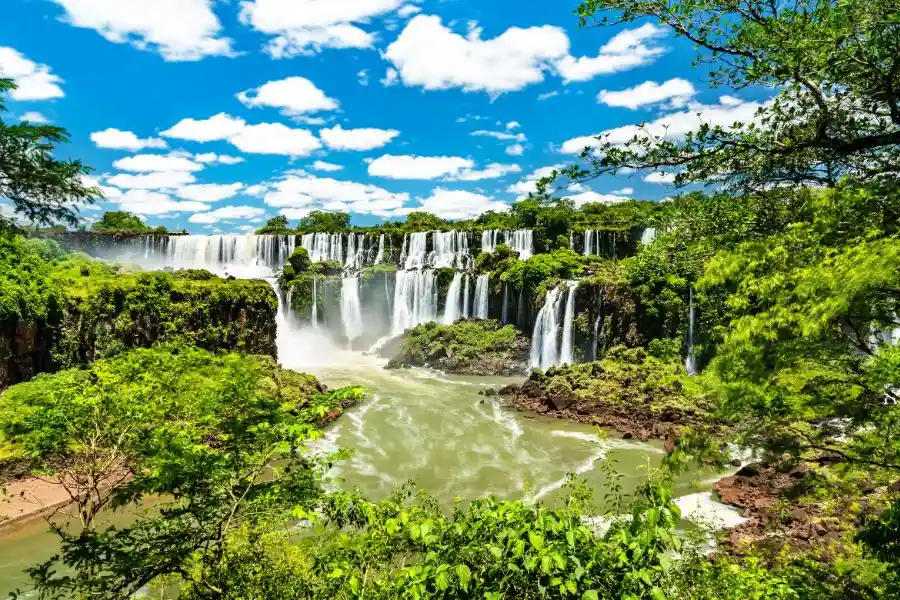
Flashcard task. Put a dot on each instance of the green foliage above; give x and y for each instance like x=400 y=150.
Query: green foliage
x=465 y=340
x=834 y=65
x=42 y=188
x=124 y=222
x=423 y=221
x=321 y=221
x=274 y=226
x=539 y=269
x=299 y=260
x=27 y=292
x=198 y=432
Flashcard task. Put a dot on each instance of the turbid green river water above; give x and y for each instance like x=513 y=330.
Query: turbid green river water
x=435 y=430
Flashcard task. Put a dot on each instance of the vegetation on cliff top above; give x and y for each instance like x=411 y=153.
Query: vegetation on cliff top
x=122 y=222
x=473 y=347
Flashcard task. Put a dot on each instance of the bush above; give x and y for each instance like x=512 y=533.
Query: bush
x=299 y=260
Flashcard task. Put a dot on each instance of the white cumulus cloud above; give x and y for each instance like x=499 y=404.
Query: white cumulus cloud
x=593 y=197
x=310 y=193
x=491 y=171
x=145 y=163
x=209 y=192
x=626 y=50
x=365 y=138
x=529 y=184
x=152 y=181
x=459 y=204
x=673 y=126
x=227 y=213
x=676 y=92
x=222 y=159
x=275 y=138
x=117 y=139
x=660 y=178
x=292 y=96
x=179 y=30
x=35 y=81
x=418 y=167
x=143 y=202
x=218 y=127
x=307 y=26
x=515 y=150
x=321 y=165
x=35 y=117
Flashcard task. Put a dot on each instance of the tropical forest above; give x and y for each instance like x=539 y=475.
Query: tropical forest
x=565 y=396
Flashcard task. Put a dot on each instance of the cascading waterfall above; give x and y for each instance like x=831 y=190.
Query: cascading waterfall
x=690 y=362
x=521 y=241
x=489 y=240
x=351 y=263
x=314 y=317
x=415 y=299
x=648 y=235
x=416 y=252
x=504 y=315
x=453 y=308
x=566 y=353
x=467 y=305
x=545 y=341
x=481 y=296
x=351 y=309
x=239 y=255
x=589 y=235
x=597 y=323
x=379 y=258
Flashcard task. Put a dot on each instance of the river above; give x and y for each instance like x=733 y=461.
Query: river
x=437 y=431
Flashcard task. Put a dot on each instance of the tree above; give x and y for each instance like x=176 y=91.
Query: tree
x=120 y=221
x=275 y=225
x=42 y=188
x=321 y=221
x=299 y=260
x=218 y=439
x=419 y=221
x=835 y=64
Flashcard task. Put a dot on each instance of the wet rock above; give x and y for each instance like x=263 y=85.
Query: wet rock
x=488 y=392
x=751 y=470
x=819 y=529
x=627 y=436
x=736 y=462
x=800 y=515
x=509 y=390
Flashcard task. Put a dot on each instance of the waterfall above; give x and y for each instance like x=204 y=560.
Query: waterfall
x=245 y=256
x=379 y=258
x=544 y=342
x=403 y=251
x=314 y=317
x=454 y=300
x=521 y=241
x=351 y=309
x=416 y=254
x=451 y=250
x=504 y=315
x=351 y=263
x=589 y=241
x=565 y=353
x=481 y=296
x=571 y=240
x=648 y=235
x=690 y=362
x=467 y=306
x=415 y=299
x=489 y=240
x=598 y=322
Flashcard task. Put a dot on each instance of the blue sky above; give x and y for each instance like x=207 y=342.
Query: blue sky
x=213 y=116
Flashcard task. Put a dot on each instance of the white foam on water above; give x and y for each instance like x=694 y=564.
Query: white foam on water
x=581 y=469
x=701 y=509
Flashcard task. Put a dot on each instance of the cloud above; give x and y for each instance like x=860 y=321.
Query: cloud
x=408 y=11
x=432 y=56
x=626 y=191
x=152 y=181
x=227 y=213
x=275 y=138
x=209 y=192
x=144 y=163
x=295 y=213
x=418 y=167
x=35 y=81
x=515 y=150
x=548 y=95
x=677 y=91
x=660 y=178
x=35 y=117
x=673 y=126
x=338 y=138
x=292 y=96
x=219 y=127
x=491 y=171
x=179 y=30
x=459 y=204
x=363 y=77
x=222 y=159
x=321 y=165
x=529 y=184
x=124 y=140
x=626 y=50
x=593 y=197
x=501 y=135
x=143 y=202
x=513 y=125
x=307 y=26
x=310 y=192
x=391 y=78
